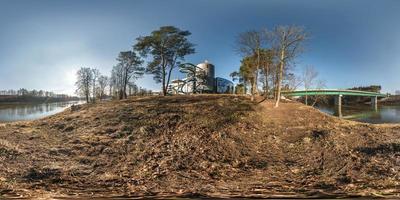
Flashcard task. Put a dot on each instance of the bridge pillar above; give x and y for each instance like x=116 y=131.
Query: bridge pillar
x=374 y=102
x=338 y=106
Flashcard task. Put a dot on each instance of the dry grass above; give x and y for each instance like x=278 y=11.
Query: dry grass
x=7 y=146
x=212 y=145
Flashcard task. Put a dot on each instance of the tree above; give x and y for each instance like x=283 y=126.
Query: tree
x=247 y=69
x=195 y=76
x=95 y=75
x=240 y=89
x=117 y=80
x=309 y=78
x=168 y=46
x=84 y=82
x=103 y=82
x=235 y=76
x=266 y=65
x=130 y=70
x=287 y=43
x=133 y=89
x=242 y=81
x=22 y=92
x=292 y=81
x=319 y=85
x=249 y=44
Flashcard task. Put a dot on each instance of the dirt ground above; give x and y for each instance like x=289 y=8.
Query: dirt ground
x=198 y=146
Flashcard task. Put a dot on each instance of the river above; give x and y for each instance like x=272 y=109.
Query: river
x=366 y=113
x=26 y=111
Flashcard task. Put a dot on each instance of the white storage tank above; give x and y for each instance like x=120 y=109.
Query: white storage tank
x=209 y=71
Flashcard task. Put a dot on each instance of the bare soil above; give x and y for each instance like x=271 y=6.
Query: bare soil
x=198 y=146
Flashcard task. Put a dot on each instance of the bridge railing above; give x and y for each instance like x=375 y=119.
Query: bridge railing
x=332 y=92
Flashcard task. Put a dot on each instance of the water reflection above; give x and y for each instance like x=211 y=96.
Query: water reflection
x=20 y=112
x=365 y=113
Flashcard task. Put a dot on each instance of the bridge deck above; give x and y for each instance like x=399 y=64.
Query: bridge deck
x=332 y=92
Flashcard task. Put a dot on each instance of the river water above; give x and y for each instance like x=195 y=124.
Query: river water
x=24 y=112
x=366 y=113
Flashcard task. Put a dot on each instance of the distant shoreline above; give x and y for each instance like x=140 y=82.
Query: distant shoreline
x=15 y=100
x=390 y=101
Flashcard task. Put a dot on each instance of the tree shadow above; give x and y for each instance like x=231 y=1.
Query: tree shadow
x=381 y=149
x=34 y=174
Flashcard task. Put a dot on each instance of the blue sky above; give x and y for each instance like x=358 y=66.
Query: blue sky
x=43 y=43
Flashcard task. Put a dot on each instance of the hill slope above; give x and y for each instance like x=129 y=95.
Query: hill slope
x=198 y=145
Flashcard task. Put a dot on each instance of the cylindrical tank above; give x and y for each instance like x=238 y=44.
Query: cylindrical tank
x=209 y=71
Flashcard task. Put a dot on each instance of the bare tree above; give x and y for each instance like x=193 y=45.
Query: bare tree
x=103 y=82
x=293 y=81
x=266 y=64
x=130 y=69
x=319 y=85
x=117 y=80
x=84 y=82
x=95 y=75
x=287 y=43
x=309 y=79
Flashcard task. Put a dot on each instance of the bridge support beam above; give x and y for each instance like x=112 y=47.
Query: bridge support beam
x=338 y=105
x=374 y=103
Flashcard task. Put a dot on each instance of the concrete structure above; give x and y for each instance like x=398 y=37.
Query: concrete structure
x=338 y=94
x=338 y=105
x=209 y=71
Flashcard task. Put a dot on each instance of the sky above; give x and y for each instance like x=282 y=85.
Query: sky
x=44 y=42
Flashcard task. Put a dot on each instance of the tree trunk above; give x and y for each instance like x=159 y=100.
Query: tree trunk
x=169 y=76
x=266 y=73
x=281 y=66
x=125 y=82
x=258 y=68
x=94 y=91
x=120 y=94
x=306 y=99
x=253 y=88
x=194 y=81
x=315 y=101
x=276 y=84
x=164 y=91
x=164 y=67
x=87 y=97
x=124 y=91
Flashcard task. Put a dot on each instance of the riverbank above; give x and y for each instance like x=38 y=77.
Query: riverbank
x=391 y=100
x=208 y=145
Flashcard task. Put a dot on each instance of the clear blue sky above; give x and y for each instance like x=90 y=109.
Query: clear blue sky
x=43 y=43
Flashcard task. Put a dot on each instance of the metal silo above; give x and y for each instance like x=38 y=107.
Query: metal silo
x=209 y=71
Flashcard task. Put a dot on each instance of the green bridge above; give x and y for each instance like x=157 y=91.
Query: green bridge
x=332 y=92
x=337 y=93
